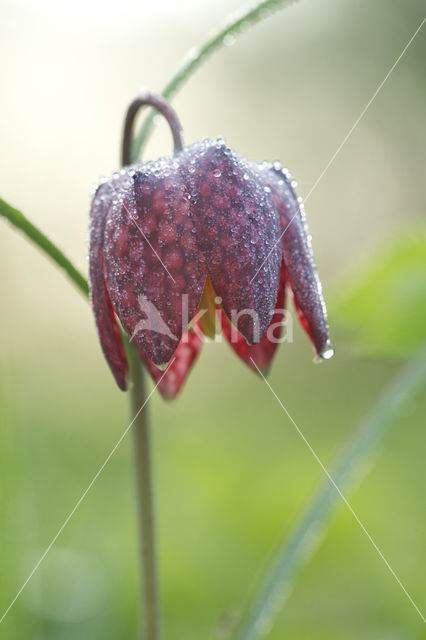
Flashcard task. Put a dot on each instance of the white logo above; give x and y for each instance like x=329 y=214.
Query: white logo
x=153 y=320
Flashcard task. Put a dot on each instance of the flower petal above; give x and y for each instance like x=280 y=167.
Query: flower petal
x=298 y=257
x=170 y=382
x=259 y=356
x=106 y=324
x=237 y=228
x=155 y=272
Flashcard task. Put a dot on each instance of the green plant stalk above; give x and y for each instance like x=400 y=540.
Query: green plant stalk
x=305 y=537
x=233 y=27
x=151 y=622
x=150 y=601
x=18 y=220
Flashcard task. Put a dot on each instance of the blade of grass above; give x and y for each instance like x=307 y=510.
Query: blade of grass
x=305 y=536
x=18 y=220
x=234 y=25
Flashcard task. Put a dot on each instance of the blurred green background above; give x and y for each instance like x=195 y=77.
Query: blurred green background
x=231 y=473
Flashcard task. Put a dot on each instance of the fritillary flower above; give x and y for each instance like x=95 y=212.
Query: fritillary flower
x=182 y=245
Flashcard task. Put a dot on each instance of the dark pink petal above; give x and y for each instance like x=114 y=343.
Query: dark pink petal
x=170 y=381
x=298 y=257
x=155 y=271
x=259 y=356
x=237 y=230
x=106 y=324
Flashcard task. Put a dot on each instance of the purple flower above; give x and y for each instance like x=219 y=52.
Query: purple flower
x=176 y=242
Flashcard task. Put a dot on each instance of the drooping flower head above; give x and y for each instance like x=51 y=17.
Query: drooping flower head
x=181 y=245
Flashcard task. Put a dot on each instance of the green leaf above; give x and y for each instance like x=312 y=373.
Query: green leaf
x=384 y=306
x=18 y=220
x=234 y=25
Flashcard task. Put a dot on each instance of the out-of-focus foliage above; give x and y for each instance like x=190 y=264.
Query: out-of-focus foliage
x=384 y=305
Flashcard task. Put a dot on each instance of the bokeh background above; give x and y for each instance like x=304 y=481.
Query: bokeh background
x=231 y=473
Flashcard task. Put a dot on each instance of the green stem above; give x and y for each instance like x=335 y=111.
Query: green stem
x=232 y=28
x=150 y=601
x=150 y=607
x=305 y=536
x=21 y=222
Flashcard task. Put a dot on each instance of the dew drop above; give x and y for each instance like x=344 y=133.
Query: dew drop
x=217 y=173
x=229 y=40
x=191 y=55
x=327 y=352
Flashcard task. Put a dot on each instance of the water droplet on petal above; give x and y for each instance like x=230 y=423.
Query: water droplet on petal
x=327 y=352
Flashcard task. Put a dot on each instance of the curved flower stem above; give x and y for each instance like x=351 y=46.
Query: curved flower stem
x=159 y=104
x=21 y=222
x=150 y=607
x=305 y=536
x=235 y=25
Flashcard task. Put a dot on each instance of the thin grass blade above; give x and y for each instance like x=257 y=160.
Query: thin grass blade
x=305 y=537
